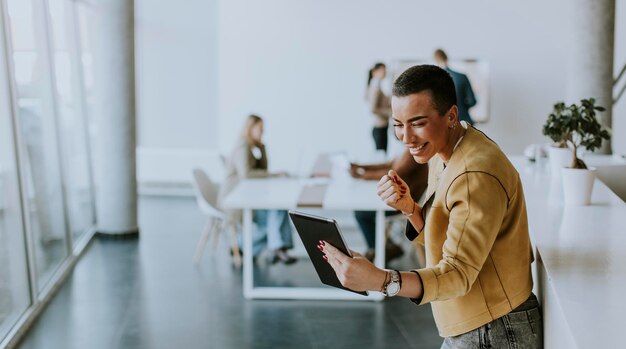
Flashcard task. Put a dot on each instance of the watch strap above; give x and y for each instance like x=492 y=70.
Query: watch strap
x=399 y=277
x=393 y=276
x=383 y=287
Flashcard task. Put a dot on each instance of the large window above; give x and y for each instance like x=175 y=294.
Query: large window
x=38 y=133
x=72 y=117
x=14 y=288
x=46 y=186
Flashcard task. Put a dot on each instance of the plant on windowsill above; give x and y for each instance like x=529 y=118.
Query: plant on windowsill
x=577 y=126
x=554 y=128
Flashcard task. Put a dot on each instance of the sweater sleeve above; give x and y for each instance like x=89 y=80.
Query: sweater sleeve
x=476 y=204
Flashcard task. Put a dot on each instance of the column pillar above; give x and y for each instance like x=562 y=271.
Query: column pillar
x=115 y=165
x=591 y=72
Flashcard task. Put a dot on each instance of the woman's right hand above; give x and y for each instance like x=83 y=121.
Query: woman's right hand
x=394 y=192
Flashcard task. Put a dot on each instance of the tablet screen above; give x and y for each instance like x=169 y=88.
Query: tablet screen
x=311 y=230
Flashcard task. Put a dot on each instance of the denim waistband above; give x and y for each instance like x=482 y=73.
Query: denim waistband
x=527 y=312
x=528 y=304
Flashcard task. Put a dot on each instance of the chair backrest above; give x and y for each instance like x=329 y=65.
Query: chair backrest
x=206 y=193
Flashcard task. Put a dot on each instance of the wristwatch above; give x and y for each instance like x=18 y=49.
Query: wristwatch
x=393 y=287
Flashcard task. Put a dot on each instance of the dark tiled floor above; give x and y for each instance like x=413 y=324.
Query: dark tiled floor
x=146 y=293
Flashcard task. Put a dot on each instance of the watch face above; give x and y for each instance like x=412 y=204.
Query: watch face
x=393 y=289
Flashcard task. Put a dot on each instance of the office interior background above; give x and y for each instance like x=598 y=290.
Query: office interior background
x=200 y=67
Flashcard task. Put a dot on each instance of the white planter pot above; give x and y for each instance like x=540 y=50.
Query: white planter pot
x=577 y=185
x=559 y=158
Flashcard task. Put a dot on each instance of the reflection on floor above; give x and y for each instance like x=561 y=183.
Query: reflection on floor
x=146 y=293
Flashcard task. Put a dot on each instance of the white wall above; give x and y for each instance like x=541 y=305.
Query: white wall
x=302 y=65
x=176 y=69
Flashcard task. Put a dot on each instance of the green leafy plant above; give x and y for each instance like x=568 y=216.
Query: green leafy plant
x=554 y=127
x=575 y=126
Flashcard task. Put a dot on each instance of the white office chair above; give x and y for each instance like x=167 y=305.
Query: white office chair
x=206 y=196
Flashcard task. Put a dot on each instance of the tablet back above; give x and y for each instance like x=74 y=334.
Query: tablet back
x=311 y=230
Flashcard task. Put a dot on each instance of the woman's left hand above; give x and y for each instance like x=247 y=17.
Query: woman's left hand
x=355 y=273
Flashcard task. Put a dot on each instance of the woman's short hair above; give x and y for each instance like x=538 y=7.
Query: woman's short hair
x=430 y=78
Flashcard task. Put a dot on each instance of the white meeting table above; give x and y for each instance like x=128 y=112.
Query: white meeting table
x=284 y=194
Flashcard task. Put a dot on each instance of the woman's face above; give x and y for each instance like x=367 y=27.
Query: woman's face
x=420 y=126
x=380 y=73
x=256 y=132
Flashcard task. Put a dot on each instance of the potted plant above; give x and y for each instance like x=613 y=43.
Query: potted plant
x=576 y=125
x=559 y=154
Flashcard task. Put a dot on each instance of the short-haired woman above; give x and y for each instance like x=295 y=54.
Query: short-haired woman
x=473 y=225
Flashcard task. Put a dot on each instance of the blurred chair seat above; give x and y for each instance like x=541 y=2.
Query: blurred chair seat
x=206 y=196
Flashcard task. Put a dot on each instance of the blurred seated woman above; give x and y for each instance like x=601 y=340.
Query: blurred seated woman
x=249 y=160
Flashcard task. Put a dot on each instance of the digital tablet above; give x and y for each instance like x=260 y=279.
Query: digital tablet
x=312 y=229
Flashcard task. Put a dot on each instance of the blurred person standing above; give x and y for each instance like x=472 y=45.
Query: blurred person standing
x=379 y=105
x=464 y=93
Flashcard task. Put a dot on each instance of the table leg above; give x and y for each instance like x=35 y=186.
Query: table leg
x=248 y=281
x=379 y=248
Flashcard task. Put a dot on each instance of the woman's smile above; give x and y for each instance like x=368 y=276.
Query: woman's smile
x=417 y=149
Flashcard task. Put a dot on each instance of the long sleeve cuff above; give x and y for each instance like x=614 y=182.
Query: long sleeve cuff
x=418 y=300
x=429 y=285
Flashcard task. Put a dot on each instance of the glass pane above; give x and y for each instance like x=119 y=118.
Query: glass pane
x=84 y=14
x=14 y=288
x=73 y=138
x=41 y=169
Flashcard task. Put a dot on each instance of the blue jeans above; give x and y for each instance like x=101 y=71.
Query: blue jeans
x=522 y=328
x=272 y=229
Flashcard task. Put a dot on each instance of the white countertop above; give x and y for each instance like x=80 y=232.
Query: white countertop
x=583 y=249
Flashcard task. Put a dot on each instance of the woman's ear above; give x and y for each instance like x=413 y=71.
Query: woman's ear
x=453 y=115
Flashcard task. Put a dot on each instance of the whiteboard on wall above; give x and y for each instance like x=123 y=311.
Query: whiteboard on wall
x=477 y=72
